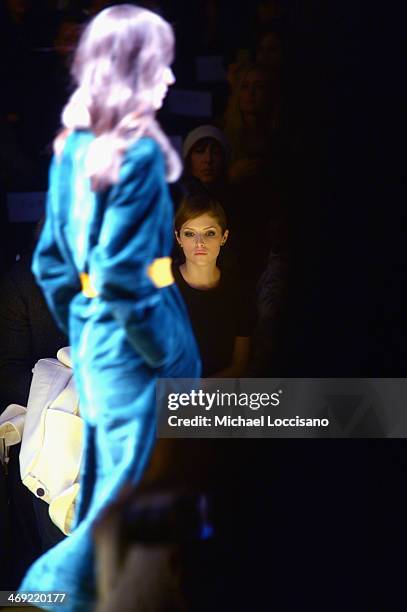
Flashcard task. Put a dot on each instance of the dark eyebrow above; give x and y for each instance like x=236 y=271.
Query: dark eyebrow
x=205 y=228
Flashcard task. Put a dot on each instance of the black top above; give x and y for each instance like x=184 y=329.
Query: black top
x=218 y=316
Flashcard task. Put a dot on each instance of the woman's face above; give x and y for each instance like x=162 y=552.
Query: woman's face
x=18 y=8
x=166 y=79
x=269 y=50
x=254 y=94
x=201 y=239
x=207 y=160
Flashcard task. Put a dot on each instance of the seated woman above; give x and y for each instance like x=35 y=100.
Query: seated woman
x=206 y=153
x=219 y=313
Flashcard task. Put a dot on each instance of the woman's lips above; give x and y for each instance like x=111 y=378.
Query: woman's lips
x=200 y=253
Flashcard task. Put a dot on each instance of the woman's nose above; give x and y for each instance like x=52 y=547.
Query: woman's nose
x=199 y=239
x=170 y=77
x=207 y=154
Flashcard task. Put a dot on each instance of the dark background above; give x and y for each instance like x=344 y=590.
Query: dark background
x=319 y=524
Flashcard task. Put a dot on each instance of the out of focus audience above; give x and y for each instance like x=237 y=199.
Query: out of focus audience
x=249 y=123
x=206 y=155
x=257 y=249
x=253 y=128
x=27 y=334
x=269 y=50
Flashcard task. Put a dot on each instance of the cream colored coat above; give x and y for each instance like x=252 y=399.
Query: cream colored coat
x=51 y=434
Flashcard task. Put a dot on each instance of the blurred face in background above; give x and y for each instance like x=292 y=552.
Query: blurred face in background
x=255 y=94
x=67 y=38
x=201 y=238
x=206 y=160
x=269 y=51
x=18 y=8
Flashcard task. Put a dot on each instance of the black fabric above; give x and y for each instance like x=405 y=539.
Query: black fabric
x=218 y=316
x=27 y=333
x=49 y=533
x=25 y=544
x=4 y=533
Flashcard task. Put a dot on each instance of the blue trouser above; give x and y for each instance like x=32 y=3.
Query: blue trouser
x=69 y=566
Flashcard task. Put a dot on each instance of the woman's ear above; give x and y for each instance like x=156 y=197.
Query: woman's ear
x=224 y=237
x=177 y=238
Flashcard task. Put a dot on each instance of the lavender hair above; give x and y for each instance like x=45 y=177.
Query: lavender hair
x=118 y=61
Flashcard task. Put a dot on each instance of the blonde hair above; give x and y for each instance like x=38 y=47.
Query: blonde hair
x=233 y=123
x=117 y=64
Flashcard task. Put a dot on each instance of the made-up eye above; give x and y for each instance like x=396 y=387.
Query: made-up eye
x=210 y=233
x=188 y=234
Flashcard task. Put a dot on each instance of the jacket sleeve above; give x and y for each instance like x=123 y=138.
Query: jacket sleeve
x=129 y=241
x=52 y=266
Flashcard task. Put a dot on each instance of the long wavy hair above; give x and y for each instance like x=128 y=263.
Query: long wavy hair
x=119 y=60
x=233 y=121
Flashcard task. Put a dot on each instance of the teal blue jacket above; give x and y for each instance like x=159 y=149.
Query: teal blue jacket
x=122 y=340
x=113 y=236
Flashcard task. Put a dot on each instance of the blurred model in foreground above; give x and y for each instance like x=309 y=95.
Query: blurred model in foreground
x=103 y=264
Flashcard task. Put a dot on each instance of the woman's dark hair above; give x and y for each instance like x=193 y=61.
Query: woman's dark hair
x=194 y=206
